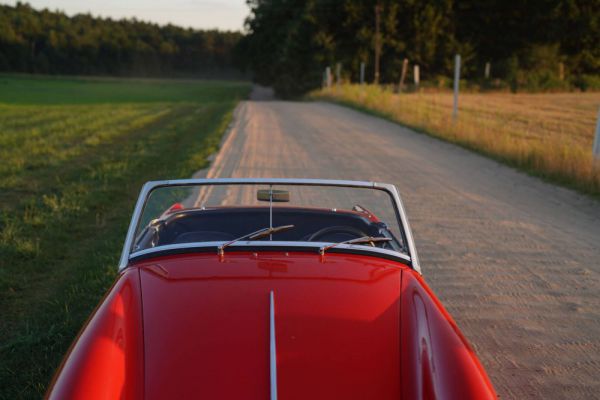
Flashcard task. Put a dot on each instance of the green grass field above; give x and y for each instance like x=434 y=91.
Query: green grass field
x=74 y=154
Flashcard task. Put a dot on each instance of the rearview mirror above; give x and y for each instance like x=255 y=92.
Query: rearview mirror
x=277 y=196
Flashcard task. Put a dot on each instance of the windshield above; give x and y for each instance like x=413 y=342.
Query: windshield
x=226 y=213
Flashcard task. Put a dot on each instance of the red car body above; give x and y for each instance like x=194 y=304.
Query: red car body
x=197 y=325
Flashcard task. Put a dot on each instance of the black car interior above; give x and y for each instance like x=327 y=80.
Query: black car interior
x=225 y=224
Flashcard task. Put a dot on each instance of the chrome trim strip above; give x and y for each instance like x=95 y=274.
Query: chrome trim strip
x=412 y=250
x=137 y=213
x=149 y=186
x=272 y=348
x=267 y=244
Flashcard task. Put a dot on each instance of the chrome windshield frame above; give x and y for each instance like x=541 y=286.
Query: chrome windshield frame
x=126 y=254
x=270 y=246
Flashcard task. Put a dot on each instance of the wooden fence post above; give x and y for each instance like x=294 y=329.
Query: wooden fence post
x=328 y=77
x=362 y=73
x=561 y=71
x=596 y=148
x=403 y=74
x=488 y=66
x=416 y=76
x=456 y=85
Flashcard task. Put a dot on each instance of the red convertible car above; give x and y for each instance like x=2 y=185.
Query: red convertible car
x=266 y=289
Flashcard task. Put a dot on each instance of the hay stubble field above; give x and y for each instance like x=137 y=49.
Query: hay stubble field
x=549 y=135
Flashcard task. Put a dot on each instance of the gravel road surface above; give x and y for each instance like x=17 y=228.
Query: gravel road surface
x=515 y=260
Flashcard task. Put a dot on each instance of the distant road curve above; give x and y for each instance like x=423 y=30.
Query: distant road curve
x=516 y=261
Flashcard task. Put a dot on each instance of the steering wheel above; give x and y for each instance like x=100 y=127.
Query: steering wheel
x=349 y=230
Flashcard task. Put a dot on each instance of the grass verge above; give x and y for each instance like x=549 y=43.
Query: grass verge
x=68 y=182
x=546 y=135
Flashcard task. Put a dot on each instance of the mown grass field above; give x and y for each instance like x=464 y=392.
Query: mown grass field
x=73 y=156
x=548 y=135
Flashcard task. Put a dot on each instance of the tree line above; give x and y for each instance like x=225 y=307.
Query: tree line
x=529 y=44
x=50 y=42
x=532 y=44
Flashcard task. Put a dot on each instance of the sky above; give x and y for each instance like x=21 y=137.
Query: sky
x=200 y=14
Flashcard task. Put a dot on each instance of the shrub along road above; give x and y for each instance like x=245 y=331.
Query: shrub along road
x=515 y=260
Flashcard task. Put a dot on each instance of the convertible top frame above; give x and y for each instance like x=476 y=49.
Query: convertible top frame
x=386 y=187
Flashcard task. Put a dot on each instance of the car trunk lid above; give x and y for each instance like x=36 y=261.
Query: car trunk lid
x=207 y=326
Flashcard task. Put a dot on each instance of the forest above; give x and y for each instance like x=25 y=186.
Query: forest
x=530 y=44
x=50 y=42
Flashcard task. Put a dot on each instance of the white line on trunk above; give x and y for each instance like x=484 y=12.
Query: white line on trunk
x=273 y=351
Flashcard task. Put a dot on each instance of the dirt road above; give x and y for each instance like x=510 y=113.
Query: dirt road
x=516 y=261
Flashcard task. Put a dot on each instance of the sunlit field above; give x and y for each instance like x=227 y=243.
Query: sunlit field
x=549 y=135
x=74 y=154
